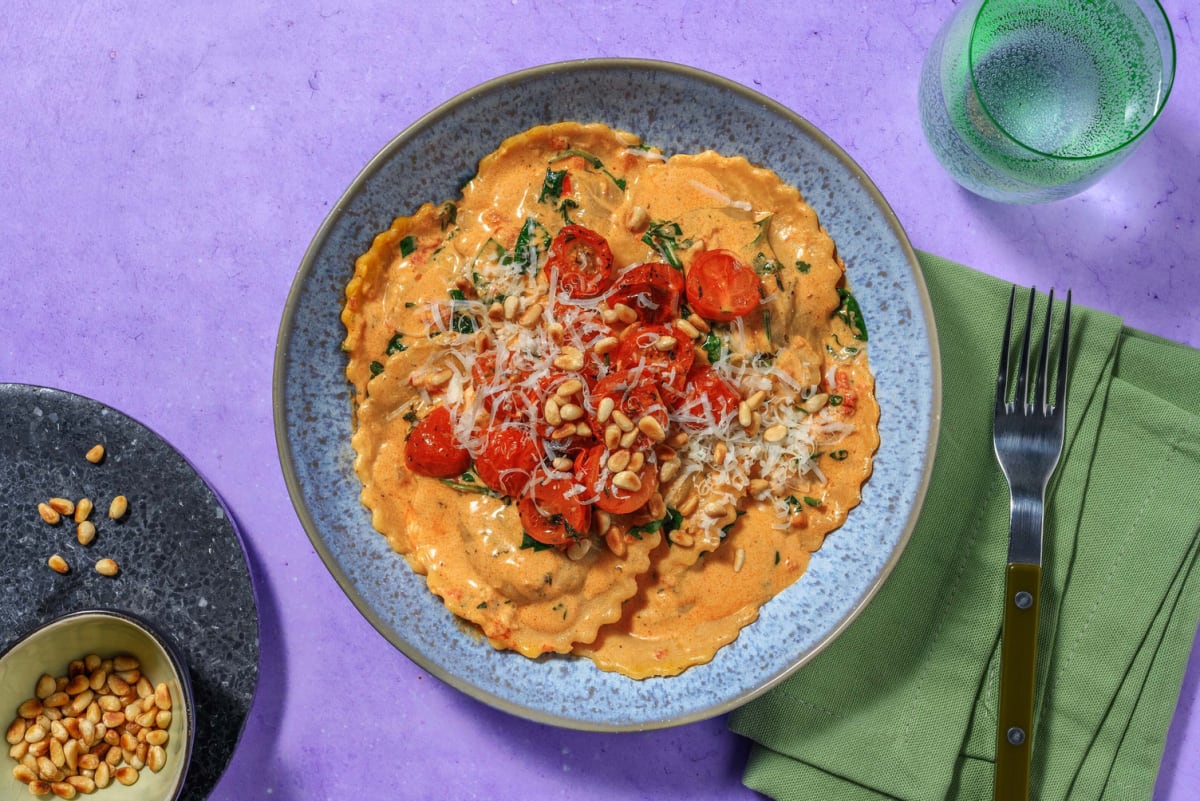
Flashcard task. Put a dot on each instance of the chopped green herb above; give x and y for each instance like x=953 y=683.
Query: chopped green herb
x=726 y=529
x=457 y=294
x=410 y=416
x=670 y=523
x=552 y=185
x=532 y=241
x=838 y=455
x=564 y=209
x=469 y=482
x=803 y=266
x=835 y=400
x=764 y=264
x=376 y=368
x=408 y=304
x=482 y=605
x=812 y=501
x=777 y=557
x=532 y=544
x=664 y=238
x=852 y=315
x=593 y=161
x=762 y=226
x=714 y=346
x=407 y=245
x=394 y=344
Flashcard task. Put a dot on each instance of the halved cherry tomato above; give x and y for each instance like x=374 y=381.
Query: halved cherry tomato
x=652 y=290
x=720 y=287
x=589 y=466
x=635 y=395
x=706 y=392
x=432 y=449
x=508 y=459
x=583 y=260
x=552 y=518
x=639 y=345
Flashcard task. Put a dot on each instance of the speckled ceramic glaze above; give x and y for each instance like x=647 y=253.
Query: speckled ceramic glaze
x=183 y=568
x=679 y=110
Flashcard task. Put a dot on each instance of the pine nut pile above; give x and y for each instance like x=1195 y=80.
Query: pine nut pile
x=103 y=720
x=55 y=510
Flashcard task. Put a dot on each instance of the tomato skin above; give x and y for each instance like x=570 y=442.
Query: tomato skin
x=652 y=290
x=583 y=261
x=721 y=287
x=432 y=448
x=552 y=518
x=588 y=468
x=508 y=459
x=668 y=368
x=705 y=382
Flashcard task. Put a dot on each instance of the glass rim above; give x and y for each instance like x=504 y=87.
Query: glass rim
x=1162 y=102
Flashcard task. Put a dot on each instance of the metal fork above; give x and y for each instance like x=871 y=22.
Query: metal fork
x=1028 y=436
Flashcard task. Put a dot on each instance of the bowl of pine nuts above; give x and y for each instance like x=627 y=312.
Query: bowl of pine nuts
x=95 y=701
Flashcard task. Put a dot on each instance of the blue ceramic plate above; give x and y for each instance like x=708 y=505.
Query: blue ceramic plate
x=679 y=110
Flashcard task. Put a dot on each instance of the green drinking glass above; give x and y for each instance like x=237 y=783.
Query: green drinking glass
x=1027 y=101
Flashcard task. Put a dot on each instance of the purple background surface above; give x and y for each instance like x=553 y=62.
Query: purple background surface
x=164 y=166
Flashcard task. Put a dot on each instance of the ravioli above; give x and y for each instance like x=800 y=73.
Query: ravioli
x=674 y=343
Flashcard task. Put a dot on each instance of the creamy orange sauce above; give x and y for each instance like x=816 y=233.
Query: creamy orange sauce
x=744 y=505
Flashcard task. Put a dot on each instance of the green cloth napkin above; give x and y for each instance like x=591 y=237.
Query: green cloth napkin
x=903 y=703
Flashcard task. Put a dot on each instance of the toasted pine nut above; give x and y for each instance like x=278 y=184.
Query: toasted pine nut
x=636 y=219
x=563 y=431
x=568 y=388
x=156 y=758
x=571 y=412
x=656 y=506
x=755 y=423
x=579 y=549
x=739 y=559
x=719 y=452
x=126 y=775
x=551 y=413
x=669 y=470
x=49 y=514
x=625 y=314
x=64 y=506
x=622 y=420
x=124 y=662
x=103 y=775
x=555 y=330
x=530 y=316
x=562 y=463
x=23 y=774
x=39 y=787
x=58 y=564
x=89 y=761
x=608 y=316
x=605 y=345
x=715 y=509
x=83 y=784
x=163 y=718
x=756 y=400
x=628 y=438
x=583 y=430
x=157 y=737
x=627 y=480
x=612 y=437
x=636 y=462
x=45 y=686
x=814 y=403
x=83 y=509
x=775 y=433
x=689 y=330
x=85 y=532
x=495 y=312
x=699 y=322
x=107 y=567
x=511 y=303
x=569 y=358
x=95 y=454
x=615 y=541
x=618 y=461
x=16 y=731
x=605 y=409
x=35 y=733
x=665 y=343
x=439 y=378
x=652 y=428
x=76 y=684
x=118 y=507
x=759 y=485
x=745 y=414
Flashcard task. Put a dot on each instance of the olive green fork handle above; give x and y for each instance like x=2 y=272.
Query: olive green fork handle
x=1018 y=666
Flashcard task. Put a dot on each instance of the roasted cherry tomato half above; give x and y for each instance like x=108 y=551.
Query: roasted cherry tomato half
x=669 y=366
x=433 y=449
x=652 y=290
x=634 y=395
x=707 y=399
x=508 y=459
x=583 y=261
x=551 y=517
x=720 y=287
x=590 y=471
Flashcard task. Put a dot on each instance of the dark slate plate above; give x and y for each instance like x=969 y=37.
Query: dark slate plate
x=182 y=563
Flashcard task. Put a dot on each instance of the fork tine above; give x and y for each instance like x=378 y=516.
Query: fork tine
x=1023 y=367
x=1042 y=389
x=1060 y=392
x=1002 y=379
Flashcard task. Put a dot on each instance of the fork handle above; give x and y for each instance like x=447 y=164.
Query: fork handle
x=1018 y=666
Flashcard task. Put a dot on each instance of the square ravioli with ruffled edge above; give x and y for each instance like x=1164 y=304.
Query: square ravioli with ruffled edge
x=609 y=402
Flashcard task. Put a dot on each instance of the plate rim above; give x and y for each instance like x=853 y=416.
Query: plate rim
x=306 y=267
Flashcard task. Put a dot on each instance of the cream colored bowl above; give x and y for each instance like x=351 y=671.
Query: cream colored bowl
x=107 y=634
